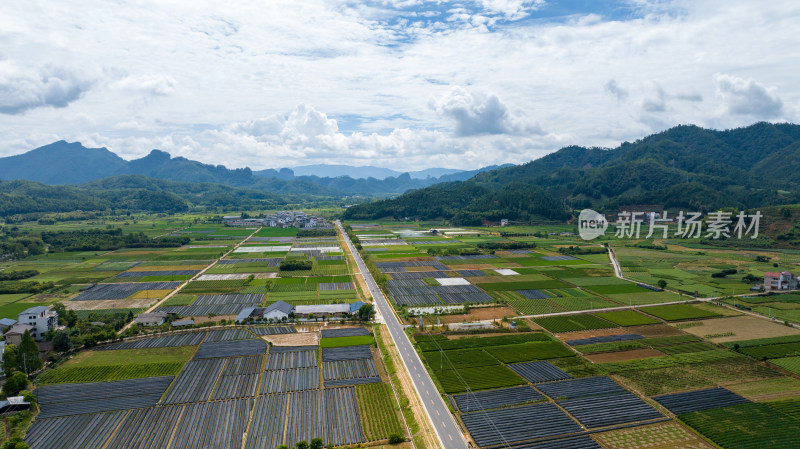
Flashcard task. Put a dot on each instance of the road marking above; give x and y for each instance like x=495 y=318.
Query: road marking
x=448 y=435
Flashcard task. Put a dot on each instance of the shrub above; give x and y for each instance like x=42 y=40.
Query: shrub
x=395 y=438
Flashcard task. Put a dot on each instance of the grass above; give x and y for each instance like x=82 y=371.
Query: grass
x=676 y=312
x=526 y=352
x=745 y=426
x=477 y=378
x=573 y=323
x=627 y=318
x=481 y=342
x=378 y=411
x=339 y=342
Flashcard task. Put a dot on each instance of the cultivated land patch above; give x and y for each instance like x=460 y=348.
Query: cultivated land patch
x=621 y=356
x=678 y=312
x=655 y=436
x=743 y=328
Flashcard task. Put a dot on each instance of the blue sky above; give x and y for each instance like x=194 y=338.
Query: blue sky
x=403 y=84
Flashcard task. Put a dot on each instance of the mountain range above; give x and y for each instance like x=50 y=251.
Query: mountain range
x=685 y=167
x=71 y=163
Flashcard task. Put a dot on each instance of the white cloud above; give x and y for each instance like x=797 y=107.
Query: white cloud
x=25 y=89
x=150 y=85
x=748 y=97
x=221 y=82
x=478 y=113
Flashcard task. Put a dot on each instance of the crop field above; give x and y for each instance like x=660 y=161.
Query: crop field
x=378 y=410
x=146 y=428
x=580 y=388
x=572 y=323
x=299 y=358
x=346 y=332
x=229 y=335
x=338 y=342
x=196 y=382
x=479 y=378
x=74 y=432
x=524 y=352
x=436 y=344
x=679 y=312
x=487 y=400
x=461 y=358
x=231 y=349
x=537 y=372
x=346 y=353
x=288 y=380
x=695 y=401
x=71 y=399
x=627 y=318
x=613 y=409
x=513 y=424
x=228 y=419
x=167 y=341
x=756 y=426
x=349 y=372
x=78 y=374
x=330 y=414
x=239 y=379
x=791 y=364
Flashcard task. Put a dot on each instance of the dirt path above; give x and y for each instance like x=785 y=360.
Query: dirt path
x=425 y=437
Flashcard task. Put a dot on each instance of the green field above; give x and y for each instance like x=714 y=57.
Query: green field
x=526 y=352
x=572 y=323
x=676 y=312
x=481 y=342
x=791 y=364
x=378 y=409
x=461 y=358
x=745 y=426
x=477 y=378
x=339 y=342
x=627 y=318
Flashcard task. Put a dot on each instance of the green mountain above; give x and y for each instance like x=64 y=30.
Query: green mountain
x=684 y=167
x=62 y=163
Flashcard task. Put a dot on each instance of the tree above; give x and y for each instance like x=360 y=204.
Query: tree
x=366 y=312
x=14 y=443
x=61 y=341
x=301 y=445
x=28 y=360
x=662 y=283
x=14 y=384
x=395 y=438
x=10 y=357
x=283 y=446
x=316 y=443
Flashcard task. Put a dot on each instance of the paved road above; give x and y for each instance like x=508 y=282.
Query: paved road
x=444 y=424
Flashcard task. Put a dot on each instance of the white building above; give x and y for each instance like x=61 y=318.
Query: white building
x=41 y=319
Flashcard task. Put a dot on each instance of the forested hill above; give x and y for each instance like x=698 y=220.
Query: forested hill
x=683 y=167
x=32 y=200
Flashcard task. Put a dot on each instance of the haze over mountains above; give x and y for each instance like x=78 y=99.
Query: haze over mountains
x=71 y=163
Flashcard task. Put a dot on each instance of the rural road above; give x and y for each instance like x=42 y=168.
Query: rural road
x=447 y=430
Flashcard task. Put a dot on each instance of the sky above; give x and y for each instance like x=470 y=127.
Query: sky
x=407 y=84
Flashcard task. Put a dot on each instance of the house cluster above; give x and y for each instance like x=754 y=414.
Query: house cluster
x=282 y=311
x=285 y=219
x=780 y=281
x=36 y=320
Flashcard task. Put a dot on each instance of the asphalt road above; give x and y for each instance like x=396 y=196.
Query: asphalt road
x=444 y=424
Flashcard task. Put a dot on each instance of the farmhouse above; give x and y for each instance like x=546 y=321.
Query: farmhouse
x=6 y=323
x=41 y=319
x=780 y=281
x=151 y=319
x=14 y=335
x=278 y=311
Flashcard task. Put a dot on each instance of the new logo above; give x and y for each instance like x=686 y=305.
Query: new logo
x=591 y=224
